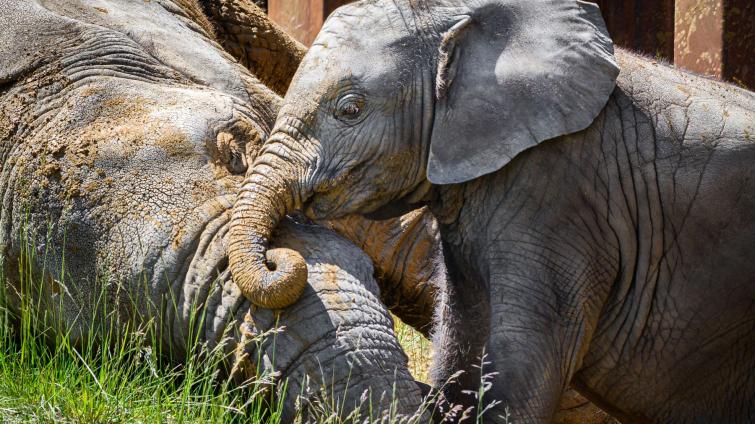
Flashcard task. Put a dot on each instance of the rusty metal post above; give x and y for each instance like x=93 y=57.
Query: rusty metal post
x=717 y=38
x=699 y=41
x=302 y=18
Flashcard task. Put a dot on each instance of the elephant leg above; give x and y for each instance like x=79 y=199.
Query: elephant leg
x=460 y=338
x=411 y=273
x=576 y=409
x=532 y=329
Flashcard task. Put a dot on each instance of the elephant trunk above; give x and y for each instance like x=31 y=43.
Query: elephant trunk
x=273 y=278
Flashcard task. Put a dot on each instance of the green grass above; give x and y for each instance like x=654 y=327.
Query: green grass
x=45 y=377
x=126 y=383
x=65 y=385
x=417 y=348
x=48 y=375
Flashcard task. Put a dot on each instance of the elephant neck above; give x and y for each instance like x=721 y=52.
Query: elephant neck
x=446 y=203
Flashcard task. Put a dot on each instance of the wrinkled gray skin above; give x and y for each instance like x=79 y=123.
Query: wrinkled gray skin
x=124 y=126
x=597 y=225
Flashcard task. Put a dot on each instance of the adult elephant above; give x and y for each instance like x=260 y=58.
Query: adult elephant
x=125 y=130
x=597 y=224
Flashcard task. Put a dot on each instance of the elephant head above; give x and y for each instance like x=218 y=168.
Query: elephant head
x=394 y=97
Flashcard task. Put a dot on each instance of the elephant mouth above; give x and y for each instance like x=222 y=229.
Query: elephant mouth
x=334 y=205
x=338 y=195
x=341 y=201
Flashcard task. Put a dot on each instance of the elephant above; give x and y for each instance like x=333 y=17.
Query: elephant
x=126 y=128
x=595 y=206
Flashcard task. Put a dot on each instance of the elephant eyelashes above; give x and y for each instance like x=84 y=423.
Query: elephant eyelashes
x=237 y=164
x=349 y=107
x=230 y=152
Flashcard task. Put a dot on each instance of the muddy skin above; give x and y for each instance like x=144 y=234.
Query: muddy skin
x=411 y=282
x=136 y=164
x=120 y=159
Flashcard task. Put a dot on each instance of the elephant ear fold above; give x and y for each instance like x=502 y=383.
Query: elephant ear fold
x=29 y=36
x=512 y=74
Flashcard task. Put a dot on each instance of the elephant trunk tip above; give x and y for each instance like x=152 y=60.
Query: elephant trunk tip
x=269 y=278
x=278 y=283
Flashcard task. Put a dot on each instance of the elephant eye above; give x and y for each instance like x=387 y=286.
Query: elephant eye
x=349 y=107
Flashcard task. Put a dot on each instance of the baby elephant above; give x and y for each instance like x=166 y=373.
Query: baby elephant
x=596 y=207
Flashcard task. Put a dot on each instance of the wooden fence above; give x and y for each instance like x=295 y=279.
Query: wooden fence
x=710 y=37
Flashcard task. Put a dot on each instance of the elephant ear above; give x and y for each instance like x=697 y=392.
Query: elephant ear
x=512 y=74
x=29 y=36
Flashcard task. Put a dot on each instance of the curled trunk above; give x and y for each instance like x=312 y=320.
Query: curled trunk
x=273 y=278
x=333 y=360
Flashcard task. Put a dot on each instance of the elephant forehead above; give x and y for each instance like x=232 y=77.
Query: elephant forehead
x=364 y=28
x=159 y=29
x=136 y=113
x=339 y=58
x=354 y=21
x=152 y=145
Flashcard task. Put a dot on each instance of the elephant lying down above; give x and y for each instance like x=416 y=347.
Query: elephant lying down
x=125 y=126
